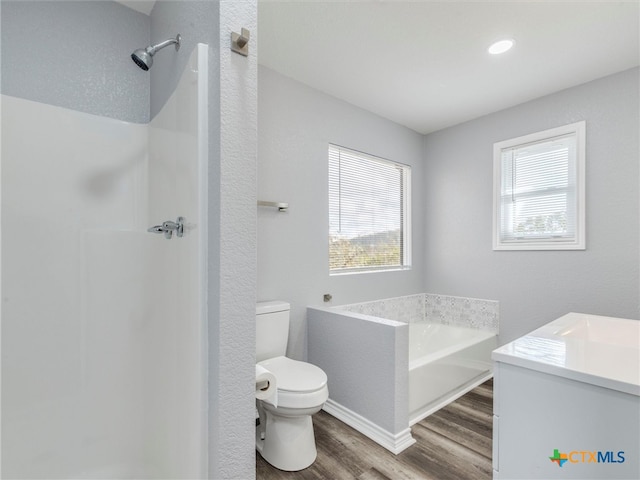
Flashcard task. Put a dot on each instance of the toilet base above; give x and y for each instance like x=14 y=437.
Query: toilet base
x=289 y=443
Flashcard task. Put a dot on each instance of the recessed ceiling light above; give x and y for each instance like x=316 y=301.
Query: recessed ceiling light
x=501 y=46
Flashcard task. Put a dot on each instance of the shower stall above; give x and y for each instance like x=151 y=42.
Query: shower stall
x=104 y=322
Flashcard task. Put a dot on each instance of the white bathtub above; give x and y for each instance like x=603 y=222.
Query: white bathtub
x=445 y=362
x=392 y=362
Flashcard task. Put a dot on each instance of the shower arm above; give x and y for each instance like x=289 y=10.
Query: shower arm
x=154 y=48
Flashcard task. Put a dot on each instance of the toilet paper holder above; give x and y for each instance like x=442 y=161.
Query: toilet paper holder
x=264 y=385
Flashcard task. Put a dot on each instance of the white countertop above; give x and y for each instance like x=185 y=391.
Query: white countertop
x=603 y=351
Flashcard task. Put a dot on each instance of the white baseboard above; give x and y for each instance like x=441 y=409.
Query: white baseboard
x=395 y=443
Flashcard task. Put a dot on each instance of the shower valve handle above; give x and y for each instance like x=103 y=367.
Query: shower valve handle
x=169 y=227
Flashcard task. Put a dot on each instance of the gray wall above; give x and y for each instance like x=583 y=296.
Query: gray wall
x=535 y=287
x=197 y=22
x=236 y=234
x=76 y=55
x=296 y=125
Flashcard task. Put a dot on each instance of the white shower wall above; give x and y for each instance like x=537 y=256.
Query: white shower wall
x=103 y=372
x=177 y=187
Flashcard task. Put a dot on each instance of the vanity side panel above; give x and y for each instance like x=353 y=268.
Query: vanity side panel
x=538 y=413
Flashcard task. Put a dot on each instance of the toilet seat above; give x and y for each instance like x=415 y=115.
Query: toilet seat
x=299 y=384
x=295 y=376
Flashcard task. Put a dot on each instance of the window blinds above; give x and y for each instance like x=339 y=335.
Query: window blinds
x=367 y=223
x=538 y=197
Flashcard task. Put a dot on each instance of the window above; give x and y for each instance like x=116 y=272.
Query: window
x=539 y=191
x=369 y=211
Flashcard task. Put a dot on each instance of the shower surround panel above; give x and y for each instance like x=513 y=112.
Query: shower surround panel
x=102 y=326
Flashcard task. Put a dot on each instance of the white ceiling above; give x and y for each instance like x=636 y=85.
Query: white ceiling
x=144 y=6
x=423 y=64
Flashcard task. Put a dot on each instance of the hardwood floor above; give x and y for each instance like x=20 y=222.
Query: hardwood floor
x=453 y=443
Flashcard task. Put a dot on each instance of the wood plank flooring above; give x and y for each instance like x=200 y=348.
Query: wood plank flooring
x=453 y=443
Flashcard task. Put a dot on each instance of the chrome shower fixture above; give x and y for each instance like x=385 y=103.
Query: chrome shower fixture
x=143 y=57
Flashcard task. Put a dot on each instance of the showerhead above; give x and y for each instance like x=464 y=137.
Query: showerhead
x=143 y=57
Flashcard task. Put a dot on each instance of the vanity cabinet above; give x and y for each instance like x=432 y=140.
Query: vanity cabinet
x=567 y=401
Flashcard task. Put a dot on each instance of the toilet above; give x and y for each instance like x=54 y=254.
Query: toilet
x=284 y=436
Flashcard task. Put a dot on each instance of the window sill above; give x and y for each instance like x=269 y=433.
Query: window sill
x=358 y=271
x=539 y=246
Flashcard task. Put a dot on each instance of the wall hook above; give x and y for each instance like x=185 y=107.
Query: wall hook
x=240 y=42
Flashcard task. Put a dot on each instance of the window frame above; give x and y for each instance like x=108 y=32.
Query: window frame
x=578 y=242
x=406 y=246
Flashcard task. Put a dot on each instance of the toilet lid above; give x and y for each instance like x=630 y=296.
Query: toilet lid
x=294 y=376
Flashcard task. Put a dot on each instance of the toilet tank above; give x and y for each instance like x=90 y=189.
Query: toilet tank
x=272 y=329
